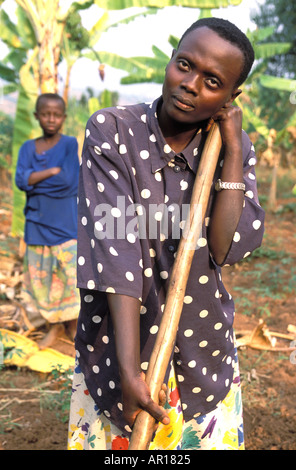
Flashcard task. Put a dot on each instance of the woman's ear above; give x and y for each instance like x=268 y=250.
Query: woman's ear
x=234 y=95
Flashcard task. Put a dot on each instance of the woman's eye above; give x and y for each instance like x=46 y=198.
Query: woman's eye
x=212 y=82
x=183 y=64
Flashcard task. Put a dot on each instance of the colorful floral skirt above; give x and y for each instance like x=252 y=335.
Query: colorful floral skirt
x=221 y=429
x=50 y=281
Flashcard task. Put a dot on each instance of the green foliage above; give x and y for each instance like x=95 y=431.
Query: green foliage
x=6 y=130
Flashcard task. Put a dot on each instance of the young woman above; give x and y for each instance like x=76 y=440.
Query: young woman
x=138 y=168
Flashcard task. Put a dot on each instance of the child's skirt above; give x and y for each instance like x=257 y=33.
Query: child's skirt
x=50 y=281
x=221 y=429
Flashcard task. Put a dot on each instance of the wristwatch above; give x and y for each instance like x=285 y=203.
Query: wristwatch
x=223 y=185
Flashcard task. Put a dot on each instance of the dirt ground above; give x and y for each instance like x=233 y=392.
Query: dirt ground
x=263 y=288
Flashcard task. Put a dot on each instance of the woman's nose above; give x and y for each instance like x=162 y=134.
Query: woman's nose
x=191 y=84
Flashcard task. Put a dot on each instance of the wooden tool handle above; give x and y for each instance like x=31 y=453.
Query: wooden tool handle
x=165 y=340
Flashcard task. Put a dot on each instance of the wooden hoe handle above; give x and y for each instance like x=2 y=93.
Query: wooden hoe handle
x=165 y=340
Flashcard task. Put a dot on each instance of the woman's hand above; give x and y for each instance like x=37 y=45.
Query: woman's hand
x=136 y=397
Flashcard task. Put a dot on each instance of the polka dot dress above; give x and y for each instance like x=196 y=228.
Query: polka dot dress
x=132 y=206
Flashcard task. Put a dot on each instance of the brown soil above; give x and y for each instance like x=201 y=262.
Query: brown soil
x=263 y=288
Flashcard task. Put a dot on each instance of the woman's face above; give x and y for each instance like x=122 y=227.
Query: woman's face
x=51 y=116
x=200 y=79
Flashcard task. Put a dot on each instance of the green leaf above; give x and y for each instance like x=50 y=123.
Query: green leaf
x=122 y=4
x=265 y=51
x=7 y=73
x=278 y=83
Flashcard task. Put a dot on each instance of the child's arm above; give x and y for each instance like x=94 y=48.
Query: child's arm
x=37 y=176
x=125 y=313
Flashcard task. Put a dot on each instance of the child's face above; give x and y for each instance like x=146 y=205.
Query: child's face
x=51 y=116
x=200 y=78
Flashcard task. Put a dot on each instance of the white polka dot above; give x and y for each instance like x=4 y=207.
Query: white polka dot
x=99 y=392
x=107 y=413
x=99 y=227
x=100 y=187
x=158 y=216
x=84 y=221
x=251 y=176
x=203 y=314
x=252 y=161
x=247 y=254
x=144 y=365
x=99 y=267
x=116 y=138
x=216 y=353
x=184 y=185
x=129 y=276
x=143 y=117
x=218 y=326
x=214 y=377
x=152 y=138
x=203 y=344
x=90 y=348
x=88 y=163
x=131 y=238
x=210 y=398
x=196 y=390
x=184 y=406
x=108 y=362
x=90 y=284
x=97 y=150
x=201 y=242
x=96 y=319
x=256 y=224
x=154 y=329
x=188 y=333
x=87 y=202
x=164 y=274
x=191 y=364
x=81 y=260
x=101 y=118
x=152 y=252
x=204 y=371
x=236 y=237
x=115 y=212
x=96 y=369
x=88 y=298
x=167 y=148
x=112 y=251
x=131 y=132
x=148 y=272
x=226 y=382
x=158 y=176
x=106 y=146
x=105 y=339
x=145 y=193
x=203 y=279
x=188 y=299
x=144 y=154
x=114 y=174
x=111 y=384
x=87 y=133
x=250 y=194
x=111 y=290
x=122 y=149
x=143 y=310
x=119 y=406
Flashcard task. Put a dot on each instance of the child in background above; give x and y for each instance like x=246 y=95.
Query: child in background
x=47 y=170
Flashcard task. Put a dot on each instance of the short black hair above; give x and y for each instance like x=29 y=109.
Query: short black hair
x=50 y=96
x=230 y=32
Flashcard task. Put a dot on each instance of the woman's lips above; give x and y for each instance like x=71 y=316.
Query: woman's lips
x=183 y=103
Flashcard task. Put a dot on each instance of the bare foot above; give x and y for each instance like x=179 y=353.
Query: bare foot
x=71 y=327
x=56 y=330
